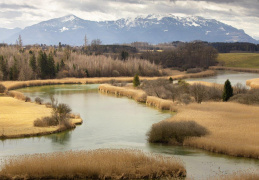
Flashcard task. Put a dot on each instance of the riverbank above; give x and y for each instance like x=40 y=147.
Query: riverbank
x=233 y=127
x=251 y=70
x=17 y=119
x=11 y=85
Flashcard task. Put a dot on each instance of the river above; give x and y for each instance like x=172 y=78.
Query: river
x=117 y=122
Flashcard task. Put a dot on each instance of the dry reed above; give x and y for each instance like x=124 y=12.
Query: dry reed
x=135 y=94
x=11 y=85
x=233 y=127
x=94 y=164
x=253 y=83
x=159 y=103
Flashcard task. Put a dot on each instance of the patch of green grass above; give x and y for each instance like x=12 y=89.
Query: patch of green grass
x=242 y=60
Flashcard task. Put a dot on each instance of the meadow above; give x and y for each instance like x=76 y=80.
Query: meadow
x=239 y=60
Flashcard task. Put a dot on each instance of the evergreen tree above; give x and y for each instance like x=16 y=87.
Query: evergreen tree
x=4 y=68
x=136 y=81
x=51 y=72
x=14 y=72
x=228 y=91
x=124 y=55
x=33 y=63
x=43 y=64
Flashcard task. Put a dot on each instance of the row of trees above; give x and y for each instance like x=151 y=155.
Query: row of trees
x=185 y=56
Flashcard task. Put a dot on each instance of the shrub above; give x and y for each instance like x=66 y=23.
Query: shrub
x=38 y=100
x=171 y=80
x=214 y=93
x=136 y=81
x=27 y=99
x=194 y=70
x=2 y=88
x=228 y=91
x=175 y=131
x=199 y=92
x=251 y=97
x=240 y=89
x=61 y=112
x=45 y=122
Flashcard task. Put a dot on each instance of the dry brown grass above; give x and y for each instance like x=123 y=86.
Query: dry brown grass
x=159 y=103
x=17 y=118
x=95 y=164
x=135 y=94
x=233 y=127
x=11 y=85
x=253 y=83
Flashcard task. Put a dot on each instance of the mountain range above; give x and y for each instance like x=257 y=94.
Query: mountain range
x=152 y=28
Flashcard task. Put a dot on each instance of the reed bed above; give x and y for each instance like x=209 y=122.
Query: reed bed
x=11 y=85
x=233 y=127
x=159 y=103
x=252 y=70
x=135 y=94
x=94 y=164
x=253 y=83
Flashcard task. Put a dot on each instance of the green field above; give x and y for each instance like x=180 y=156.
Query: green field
x=241 y=60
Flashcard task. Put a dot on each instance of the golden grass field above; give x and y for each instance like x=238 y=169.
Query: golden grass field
x=233 y=127
x=239 y=60
x=17 y=117
x=94 y=164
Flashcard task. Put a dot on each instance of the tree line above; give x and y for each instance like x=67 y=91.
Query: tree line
x=184 y=56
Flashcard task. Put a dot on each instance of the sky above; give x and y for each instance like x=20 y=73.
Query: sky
x=241 y=14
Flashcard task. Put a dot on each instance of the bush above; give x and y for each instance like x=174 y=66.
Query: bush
x=178 y=131
x=251 y=97
x=45 y=122
x=2 y=88
x=38 y=100
x=194 y=70
x=27 y=99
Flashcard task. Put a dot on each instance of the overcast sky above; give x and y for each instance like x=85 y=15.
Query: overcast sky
x=242 y=14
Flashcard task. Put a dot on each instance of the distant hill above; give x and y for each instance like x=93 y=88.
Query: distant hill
x=152 y=28
x=6 y=33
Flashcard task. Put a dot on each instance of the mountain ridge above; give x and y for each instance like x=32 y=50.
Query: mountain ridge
x=152 y=28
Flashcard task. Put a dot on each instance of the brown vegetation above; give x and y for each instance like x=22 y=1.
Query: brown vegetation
x=135 y=94
x=17 y=119
x=95 y=164
x=233 y=127
x=174 y=131
x=253 y=83
x=159 y=103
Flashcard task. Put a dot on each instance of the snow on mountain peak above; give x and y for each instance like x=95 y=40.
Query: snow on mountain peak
x=69 y=18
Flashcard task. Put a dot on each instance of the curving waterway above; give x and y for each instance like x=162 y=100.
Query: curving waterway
x=117 y=122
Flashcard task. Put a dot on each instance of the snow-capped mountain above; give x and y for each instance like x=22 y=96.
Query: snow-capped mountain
x=152 y=28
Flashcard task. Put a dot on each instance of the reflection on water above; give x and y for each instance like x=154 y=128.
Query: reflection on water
x=234 y=77
x=61 y=138
x=111 y=122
